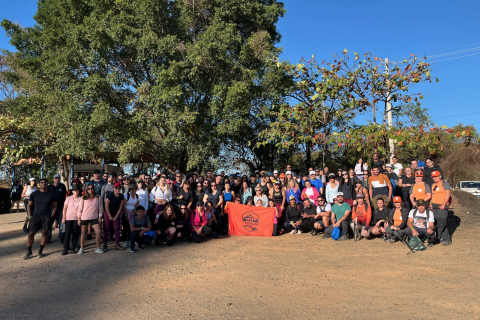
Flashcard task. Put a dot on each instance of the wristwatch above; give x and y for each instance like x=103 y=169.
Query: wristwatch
x=142 y=228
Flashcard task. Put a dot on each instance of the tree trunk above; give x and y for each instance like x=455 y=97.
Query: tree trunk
x=309 y=156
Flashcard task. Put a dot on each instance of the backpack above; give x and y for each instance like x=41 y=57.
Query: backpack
x=336 y=233
x=416 y=243
x=128 y=196
x=366 y=207
x=415 y=214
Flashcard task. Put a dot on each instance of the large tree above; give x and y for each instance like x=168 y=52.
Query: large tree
x=157 y=78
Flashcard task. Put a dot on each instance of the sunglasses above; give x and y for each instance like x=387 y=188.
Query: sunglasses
x=345 y=174
x=182 y=208
x=199 y=185
x=124 y=179
x=212 y=185
x=92 y=188
x=43 y=182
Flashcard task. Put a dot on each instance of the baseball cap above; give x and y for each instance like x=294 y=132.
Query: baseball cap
x=96 y=171
x=312 y=172
x=359 y=195
x=388 y=165
x=419 y=173
x=421 y=202
x=33 y=179
x=282 y=175
x=358 y=181
x=436 y=174
x=74 y=187
x=117 y=185
x=277 y=182
x=75 y=179
x=275 y=171
x=397 y=199
x=195 y=173
x=340 y=169
x=292 y=197
x=331 y=175
x=339 y=194
x=288 y=172
x=56 y=176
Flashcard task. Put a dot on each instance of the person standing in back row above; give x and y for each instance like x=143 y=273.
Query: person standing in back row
x=427 y=172
x=376 y=162
x=60 y=192
x=42 y=207
x=439 y=204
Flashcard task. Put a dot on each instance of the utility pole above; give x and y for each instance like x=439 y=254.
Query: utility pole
x=389 y=114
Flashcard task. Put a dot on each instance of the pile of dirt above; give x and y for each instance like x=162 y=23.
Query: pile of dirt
x=466 y=206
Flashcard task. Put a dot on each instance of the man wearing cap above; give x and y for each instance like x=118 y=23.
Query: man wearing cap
x=421 y=222
x=322 y=218
x=363 y=213
x=420 y=190
x=317 y=183
x=439 y=204
x=41 y=209
x=60 y=192
x=340 y=218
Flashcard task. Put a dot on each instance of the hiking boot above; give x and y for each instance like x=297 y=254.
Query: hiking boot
x=447 y=243
x=65 y=252
x=343 y=238
x=28 y=255
x=40 y=254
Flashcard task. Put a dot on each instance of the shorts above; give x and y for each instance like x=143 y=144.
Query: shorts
x=16 y=196
x=320 y=222
x=39 y=222
x=92 y=222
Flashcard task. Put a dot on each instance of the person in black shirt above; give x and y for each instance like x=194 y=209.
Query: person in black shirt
x=185 y=195
x=427 y=172
x=379 y=217
x=293 y=216
x=16 y=194
x=60 y=192
x=377 y=162
x=406 y=182
x=308 y=216
x=44 y=206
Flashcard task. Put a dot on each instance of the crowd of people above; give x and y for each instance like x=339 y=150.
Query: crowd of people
x=387 y=201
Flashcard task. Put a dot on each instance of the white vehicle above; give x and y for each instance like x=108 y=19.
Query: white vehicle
x=470 y=186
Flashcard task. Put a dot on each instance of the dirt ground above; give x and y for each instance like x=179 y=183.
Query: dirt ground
x=291 y=276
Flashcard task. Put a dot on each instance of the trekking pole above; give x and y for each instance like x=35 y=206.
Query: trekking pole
x=421 y=242
x=355 y=230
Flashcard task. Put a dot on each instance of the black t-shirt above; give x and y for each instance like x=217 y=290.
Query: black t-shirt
x=252 y=185
x=60 y=193
x=17 y=189
x=115 y=202
x=311 y=210
x=220 y=187
x=378 y=163
x=42 y=203
x=392 y=175
x=379 y=215
x=186 y=197
x=293 y=213
x=406 y=180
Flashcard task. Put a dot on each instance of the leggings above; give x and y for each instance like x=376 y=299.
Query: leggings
x=108 y=228
x=71 y=230
x=126 y=227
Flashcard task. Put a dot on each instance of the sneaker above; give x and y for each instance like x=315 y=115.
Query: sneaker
x=81 y=251
x=293 y=231
x=125 y=244
x=119 y=247
x=89 y=236
x=314 y=233
x=185 y=239
x=65 y=252
x=140 y=247
x=392 y=240
x=281 y=232
x=440 y=240
x=447 y=243
x=40 y=254
x=343 y=238
x=132 y=250
x=386 y=237
x=28 y=255
x=299 y=231
x=325 y=236
x=430 y=245
x=99 y=250
x=72 y=251
x=214 y=235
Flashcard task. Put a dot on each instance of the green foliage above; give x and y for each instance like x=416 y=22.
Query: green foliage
x=162 y=80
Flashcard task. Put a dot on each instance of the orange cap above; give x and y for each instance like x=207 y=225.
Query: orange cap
x=282 y=175
x=436 y=174
x=397 y=199
x=419 y=173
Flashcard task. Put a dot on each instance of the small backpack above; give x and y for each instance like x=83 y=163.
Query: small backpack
x=336 y=233
x=416 y=243
x=128 y=196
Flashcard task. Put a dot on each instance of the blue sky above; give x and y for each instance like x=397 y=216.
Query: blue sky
x=389 y=29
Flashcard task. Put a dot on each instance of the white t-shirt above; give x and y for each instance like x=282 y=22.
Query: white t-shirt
x=421 y=219
x=327 y=208
x=397 y=167
x=131 y=202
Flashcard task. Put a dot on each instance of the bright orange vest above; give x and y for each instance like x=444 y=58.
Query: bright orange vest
x=438 y=193
x=419 y=191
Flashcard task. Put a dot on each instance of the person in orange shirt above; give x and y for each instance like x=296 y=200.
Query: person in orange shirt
x=420 y=190
x=397 y=220
x=363 y=213
x=439 y=204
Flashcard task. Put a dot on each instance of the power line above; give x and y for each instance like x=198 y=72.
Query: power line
x=456 y=57
x=442 y=50
x=453 y=52
x=457 y=115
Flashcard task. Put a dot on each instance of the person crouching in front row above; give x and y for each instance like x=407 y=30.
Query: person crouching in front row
x=139 y=225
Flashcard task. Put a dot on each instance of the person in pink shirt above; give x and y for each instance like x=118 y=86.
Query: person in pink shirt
x=72 y=229
x=198 y=220
x=89 y=211
x=310 y=192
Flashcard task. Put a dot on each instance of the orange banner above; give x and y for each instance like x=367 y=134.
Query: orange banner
x=250 y=221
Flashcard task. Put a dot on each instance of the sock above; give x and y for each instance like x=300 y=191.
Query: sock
x=41 y=248
x=29 y=249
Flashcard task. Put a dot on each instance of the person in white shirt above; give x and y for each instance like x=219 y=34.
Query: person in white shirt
x=421 y=223
x=131 y=202
x=161 y=195
x=397 y=167
x=322 y=218
x=360 y=167
x=142 y=193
